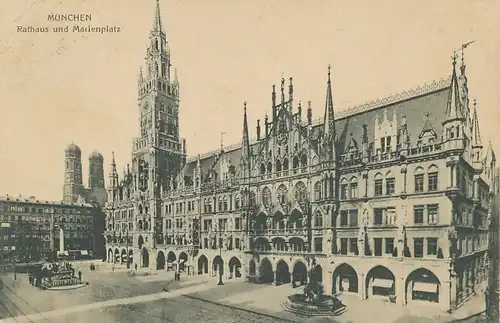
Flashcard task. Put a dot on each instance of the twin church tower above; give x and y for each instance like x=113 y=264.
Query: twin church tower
x=74 y=191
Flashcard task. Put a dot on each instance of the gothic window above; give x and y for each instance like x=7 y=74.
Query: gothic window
x=344 y=188
x=163 y=69
x=317 y=191
x=318 y=220
x=252 y=199
x=303 y=160
x=378 y=185
x=278 y=166
x=295 y=162
x=390 y=184
x=269 y=167
x=300 y=192
x=432 y=178
x=262 y=169
x=266 y=196
x=353 y=188
x=285 y=164
x=282 y=195
x=220 y=205
x=419 y=180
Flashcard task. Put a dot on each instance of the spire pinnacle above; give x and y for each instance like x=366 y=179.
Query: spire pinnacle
x=328 y=125
x=329 y=73
x=476 y=135
x=453 y=108
x=158 y=27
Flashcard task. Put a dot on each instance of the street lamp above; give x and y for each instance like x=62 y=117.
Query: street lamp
x=128 y=257
x=220 y=256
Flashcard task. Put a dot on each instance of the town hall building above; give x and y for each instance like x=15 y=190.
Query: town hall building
x=387 y=199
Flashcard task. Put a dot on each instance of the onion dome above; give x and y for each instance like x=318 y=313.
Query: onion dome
x=95 y=155
x=73 y=149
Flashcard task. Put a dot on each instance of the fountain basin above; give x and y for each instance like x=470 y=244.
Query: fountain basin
x=323 y=306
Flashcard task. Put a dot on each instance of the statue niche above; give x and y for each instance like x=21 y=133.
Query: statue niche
x=143 y=175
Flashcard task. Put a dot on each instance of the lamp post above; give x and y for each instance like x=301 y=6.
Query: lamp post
x=221 y=266
x=126 y=241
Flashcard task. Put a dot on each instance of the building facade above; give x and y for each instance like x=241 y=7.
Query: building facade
x=388 y=198
x=30 y=229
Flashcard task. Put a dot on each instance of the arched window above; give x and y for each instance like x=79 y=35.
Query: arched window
x=318 y=220
x=353 y=187
x=266 y=196
x=221 y=207
x=282 y=195
x=225 y=203
x=278 y=166
x=300 y=192
x=262 y=169
x=419 y=179
x=303 y=160
x=343 y=189
x=432 y=178
x=295 y=162
x=285 y=164
x=378 y=184
x=269 y=168
x=317 y=191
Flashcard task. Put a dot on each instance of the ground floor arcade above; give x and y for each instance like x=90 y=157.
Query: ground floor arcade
x=401 y=282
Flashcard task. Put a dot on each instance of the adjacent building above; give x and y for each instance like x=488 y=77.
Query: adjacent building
x=387 y=198
x=31 y=229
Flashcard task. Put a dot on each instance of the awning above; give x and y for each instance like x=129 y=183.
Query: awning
x=425 y=287
x=384 y=283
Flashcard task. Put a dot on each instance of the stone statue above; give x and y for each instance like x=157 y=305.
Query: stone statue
x=269 y=222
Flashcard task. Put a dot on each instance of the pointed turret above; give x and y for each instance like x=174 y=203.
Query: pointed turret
x=454 y=122
x=329 y=121
x=453 y=108
x=245 y=145
x=477 y=146
x=113 y=179
x=157 y=25
x=476 y=135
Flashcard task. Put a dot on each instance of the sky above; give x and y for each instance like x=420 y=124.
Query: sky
x=58 y=88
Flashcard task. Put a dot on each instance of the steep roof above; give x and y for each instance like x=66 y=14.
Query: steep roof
x=415 y=104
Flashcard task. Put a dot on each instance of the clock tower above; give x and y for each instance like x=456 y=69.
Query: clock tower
x=158 y=154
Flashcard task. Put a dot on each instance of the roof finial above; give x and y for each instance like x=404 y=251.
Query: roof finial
x=454 y=58
x=245 y=106
x=329 y=71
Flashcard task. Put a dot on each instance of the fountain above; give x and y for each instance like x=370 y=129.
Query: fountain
x=313 y=302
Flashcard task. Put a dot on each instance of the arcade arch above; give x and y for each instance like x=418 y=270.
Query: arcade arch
x=160 y=260
x=266 y=271
x=144 y=257
x=217 y=266
x=345 y=279
x=282 y=273
x=299 y=273
x=202 y=265
x=380 y=281
x=234 y=268
x=422 y=285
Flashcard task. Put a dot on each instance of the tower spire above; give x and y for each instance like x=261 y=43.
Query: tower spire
x=476 y=135
x=453 y=108
x=245 y=140
x=328 y=126
x=158 y=27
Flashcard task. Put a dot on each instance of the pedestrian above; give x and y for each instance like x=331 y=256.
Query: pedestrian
x=30 y=278
x=113 y=267
x=135 y=266
x=15 y=275
x=80 y=275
